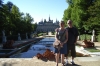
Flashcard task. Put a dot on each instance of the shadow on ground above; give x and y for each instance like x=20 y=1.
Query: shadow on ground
x=47 y=60
x=72 y=65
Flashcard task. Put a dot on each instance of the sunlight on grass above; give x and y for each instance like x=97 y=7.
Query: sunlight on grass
x=92 y=49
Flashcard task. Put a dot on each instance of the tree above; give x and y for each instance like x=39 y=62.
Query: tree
x=13 y=21
x=77 y=12
x=29 y=20
x=94 y=16
x=1 y=15
x=9 y=4
x=1 y=3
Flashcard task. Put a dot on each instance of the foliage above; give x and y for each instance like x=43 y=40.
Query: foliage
x=85 y=14
x=13 y=21
x=94 y=13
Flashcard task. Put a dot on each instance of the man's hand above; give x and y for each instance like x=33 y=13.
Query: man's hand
x=75 y=42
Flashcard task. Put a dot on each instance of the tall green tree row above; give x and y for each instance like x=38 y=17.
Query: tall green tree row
x=94 y=16
x=83 y=13
x=13 y=21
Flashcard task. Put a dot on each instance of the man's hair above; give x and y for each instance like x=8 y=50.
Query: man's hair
x=69 y=21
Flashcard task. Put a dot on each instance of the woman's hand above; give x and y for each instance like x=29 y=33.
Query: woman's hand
x=61 y=44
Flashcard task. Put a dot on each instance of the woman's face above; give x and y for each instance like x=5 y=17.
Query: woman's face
x=61 y=24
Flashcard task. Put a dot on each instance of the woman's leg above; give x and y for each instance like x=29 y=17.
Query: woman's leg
x=57 y=58
x=62 y=58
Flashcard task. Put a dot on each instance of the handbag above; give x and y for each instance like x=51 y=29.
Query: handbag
x=56 y=44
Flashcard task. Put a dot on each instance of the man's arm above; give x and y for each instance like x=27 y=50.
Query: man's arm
x=76 y=36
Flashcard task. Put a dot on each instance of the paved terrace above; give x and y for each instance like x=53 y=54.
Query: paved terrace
x=80 y=61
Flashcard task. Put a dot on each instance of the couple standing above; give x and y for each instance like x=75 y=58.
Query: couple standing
x=67 y=42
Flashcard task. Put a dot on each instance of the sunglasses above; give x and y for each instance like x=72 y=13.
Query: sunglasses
x=69 y=23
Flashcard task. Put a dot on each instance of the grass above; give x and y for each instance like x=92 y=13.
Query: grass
x=98 y=38
x=92 y=49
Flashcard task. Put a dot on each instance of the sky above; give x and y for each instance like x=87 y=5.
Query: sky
x=42 y=9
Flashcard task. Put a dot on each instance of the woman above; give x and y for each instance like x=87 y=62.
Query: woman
x=61 y=36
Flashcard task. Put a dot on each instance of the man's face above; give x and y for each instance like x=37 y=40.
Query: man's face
x=69 y=23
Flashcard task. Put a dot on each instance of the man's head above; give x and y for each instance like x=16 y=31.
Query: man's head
x=69 y=23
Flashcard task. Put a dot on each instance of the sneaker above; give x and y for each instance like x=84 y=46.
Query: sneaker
x=56 y=65
x=63 y=64
x=66 y=63
x=73 y=63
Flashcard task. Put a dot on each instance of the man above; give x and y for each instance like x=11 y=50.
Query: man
x=72 y=39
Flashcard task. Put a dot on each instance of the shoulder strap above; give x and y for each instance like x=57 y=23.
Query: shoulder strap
x=63 y=33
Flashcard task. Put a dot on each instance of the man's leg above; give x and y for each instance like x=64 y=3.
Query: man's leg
x=67 y=57
x=73 y=54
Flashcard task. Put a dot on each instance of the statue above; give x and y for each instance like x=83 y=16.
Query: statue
x=31 y=35
x=4 y=37
x=26 y=36
x=19 y=38
x=93 y=32
x=3 y=32
x=93 y=38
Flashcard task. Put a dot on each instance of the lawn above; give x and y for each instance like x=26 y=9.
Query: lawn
x=92 y=49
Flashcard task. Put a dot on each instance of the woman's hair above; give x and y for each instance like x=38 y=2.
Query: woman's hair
x=62 y=22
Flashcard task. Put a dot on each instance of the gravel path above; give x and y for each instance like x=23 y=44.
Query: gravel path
x=36 y=62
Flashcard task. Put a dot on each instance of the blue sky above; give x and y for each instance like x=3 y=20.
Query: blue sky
x=41 y=9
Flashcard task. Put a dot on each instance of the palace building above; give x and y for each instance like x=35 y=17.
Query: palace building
x=47 y=26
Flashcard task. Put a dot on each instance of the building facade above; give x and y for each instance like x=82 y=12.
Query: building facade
x=47 y=26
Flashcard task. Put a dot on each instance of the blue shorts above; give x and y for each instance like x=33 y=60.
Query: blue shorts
x=63 y=50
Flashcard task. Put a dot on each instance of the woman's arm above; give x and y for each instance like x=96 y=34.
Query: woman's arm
x=66 y=34
x=56 y=34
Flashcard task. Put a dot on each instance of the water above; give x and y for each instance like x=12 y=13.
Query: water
x=47 y=43
x=40 y=47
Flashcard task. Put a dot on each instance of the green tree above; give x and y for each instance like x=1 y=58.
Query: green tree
x=1 y=3
x=77 y=12
x=9 y=4
x=2 y=19
x=94 y=16
x=29 y=20
x=13 y=21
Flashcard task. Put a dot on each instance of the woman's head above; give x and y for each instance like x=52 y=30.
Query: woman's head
x=62 y=24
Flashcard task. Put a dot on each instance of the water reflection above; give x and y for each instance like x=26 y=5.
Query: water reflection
x=39 y=47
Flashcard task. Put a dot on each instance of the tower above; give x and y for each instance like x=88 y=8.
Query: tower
x=49 y=17
x=56 y=19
